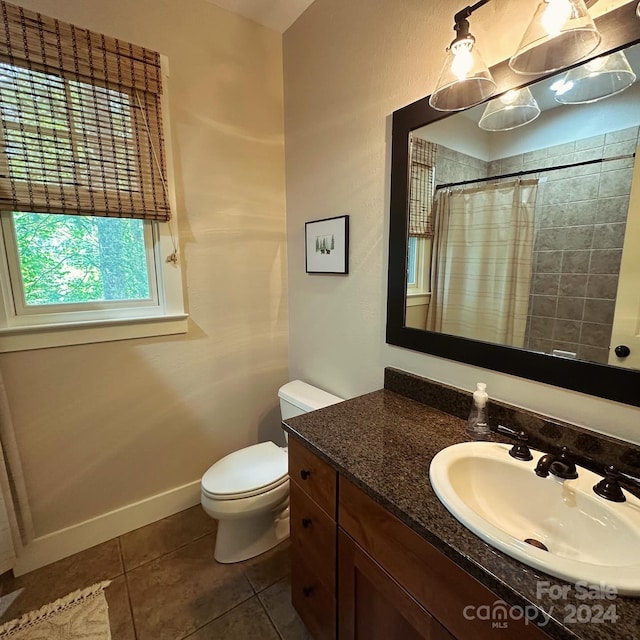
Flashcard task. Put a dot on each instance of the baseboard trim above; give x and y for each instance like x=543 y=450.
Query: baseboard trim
x=65 y=542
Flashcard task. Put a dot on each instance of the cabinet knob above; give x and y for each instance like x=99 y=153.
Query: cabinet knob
x=306 y=522
x=307 y=591
x=622 y=351
x=304 y=474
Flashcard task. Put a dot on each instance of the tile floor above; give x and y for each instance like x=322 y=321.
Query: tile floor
x=165 y=585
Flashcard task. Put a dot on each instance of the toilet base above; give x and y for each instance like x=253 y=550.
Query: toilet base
x=245 y=538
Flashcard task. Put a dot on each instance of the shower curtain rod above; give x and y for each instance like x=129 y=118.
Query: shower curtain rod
x=530 y=171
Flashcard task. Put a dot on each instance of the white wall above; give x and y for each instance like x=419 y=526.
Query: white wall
x=106 y=426
x=347 y=66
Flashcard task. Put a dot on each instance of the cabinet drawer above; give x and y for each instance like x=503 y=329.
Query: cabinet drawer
x=313 y=536
x=437 y=583
x=314 y=476
x=313 y=602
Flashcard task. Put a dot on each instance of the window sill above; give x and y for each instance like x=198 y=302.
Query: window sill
x=418 y=299
x=72 y=333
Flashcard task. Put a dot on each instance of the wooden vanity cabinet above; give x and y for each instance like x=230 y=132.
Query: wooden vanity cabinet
x=359 y=573
x=313 y=486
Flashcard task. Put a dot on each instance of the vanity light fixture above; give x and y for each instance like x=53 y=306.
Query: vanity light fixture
x=597 y=79
x=560 y=34
x=513 y=109
x=465 y=80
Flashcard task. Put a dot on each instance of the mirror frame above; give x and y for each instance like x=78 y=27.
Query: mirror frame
x=620 y=28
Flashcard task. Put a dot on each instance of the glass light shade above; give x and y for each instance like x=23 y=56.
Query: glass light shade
x=560 y=33
x=514 y=109
x=597 y=79
x=465 y=79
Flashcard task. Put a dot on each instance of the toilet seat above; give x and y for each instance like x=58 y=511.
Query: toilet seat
x=245 y=473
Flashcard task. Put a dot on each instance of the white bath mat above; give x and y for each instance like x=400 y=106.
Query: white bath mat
x=82 y=615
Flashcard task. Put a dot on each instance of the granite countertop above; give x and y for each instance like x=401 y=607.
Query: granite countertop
x=384 y=442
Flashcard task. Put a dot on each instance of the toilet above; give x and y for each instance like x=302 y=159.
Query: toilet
x=247 y=491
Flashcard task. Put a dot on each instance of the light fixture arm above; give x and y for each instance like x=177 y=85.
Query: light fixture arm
x=460 y=19
x=461 y=28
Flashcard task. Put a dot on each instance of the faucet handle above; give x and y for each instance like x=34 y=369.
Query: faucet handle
x=520 y=450
x=609 y=488
x=566 y=467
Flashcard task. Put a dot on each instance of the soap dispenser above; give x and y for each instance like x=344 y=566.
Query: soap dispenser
x=478 y=423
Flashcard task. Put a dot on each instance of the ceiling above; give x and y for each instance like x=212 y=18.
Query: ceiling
x=278 y=15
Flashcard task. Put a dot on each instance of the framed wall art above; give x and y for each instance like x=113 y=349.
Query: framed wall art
x=327 y=245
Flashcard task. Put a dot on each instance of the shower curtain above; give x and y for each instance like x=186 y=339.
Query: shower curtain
x=481 y=261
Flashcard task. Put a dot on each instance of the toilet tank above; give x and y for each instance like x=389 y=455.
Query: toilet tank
x=298 y=397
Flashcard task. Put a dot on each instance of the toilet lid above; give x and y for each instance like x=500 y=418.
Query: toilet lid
x=246 y=472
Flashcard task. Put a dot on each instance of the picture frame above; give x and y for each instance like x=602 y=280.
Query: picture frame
x=327 y=246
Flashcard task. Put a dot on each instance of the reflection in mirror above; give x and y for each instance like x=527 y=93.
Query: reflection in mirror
x=517 y=237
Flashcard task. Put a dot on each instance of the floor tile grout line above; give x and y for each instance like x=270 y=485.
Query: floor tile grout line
x=235 y=606
x=248 y=579
x=273 y=624
x=260 y=590
x=133 y=621
x=117 y=541
x=166 y=553
x=126 y=584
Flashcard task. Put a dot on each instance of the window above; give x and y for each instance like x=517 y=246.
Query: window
x=78 y=261
x=87 y=250
x=412 y=263
x=421 y=176
x=418 y=267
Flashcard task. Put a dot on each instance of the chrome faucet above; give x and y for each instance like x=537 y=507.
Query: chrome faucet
x=561 y=466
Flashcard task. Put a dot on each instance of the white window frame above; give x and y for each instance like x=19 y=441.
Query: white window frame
x=419 y=293
x=75 y=312
x=61 y=325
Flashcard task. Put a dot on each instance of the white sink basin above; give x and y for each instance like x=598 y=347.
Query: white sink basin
x=502 y=500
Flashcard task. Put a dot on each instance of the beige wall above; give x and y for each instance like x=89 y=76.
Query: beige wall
x=347 y=67
x=101 y=426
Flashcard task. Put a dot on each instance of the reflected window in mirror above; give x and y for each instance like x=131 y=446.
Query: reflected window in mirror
x=422 y=159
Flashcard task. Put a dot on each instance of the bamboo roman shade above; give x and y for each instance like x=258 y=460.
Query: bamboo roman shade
x=81 y=121
x=423 y=160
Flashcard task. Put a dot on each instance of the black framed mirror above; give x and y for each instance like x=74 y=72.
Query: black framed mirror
x=620 y=29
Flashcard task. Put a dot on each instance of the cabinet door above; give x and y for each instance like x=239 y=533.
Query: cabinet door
x=373 y=606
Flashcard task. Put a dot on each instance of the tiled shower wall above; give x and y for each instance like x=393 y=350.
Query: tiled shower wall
x=580 y=224
x=453 y=166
